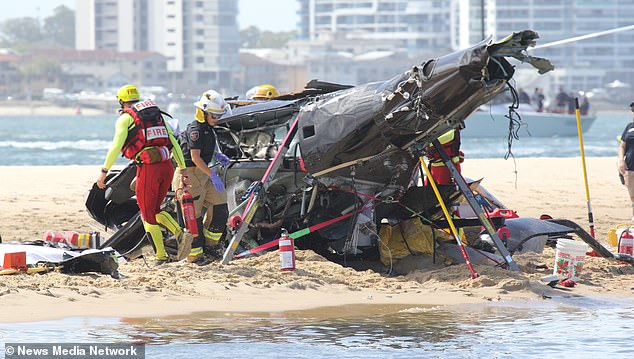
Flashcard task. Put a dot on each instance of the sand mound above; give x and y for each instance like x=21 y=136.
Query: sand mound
x=255 y=284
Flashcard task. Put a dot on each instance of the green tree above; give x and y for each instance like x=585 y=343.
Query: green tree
x=41 y=67
x=250 y=37
x=20 y=31
x=59 y=28
x=271 y=39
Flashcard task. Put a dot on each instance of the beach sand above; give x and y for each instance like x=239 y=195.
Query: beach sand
x=37 y=199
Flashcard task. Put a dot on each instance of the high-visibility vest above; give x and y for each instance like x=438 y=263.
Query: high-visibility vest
x=149 y=129
x=450 y=142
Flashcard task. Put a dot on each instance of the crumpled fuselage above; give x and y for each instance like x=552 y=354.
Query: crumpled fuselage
x=378 y=122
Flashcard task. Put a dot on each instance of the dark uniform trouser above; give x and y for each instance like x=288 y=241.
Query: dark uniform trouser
x=205 y=196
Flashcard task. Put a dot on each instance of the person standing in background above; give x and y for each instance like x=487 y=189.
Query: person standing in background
x=538 y=99
x=584 y=107
x=524 y=97
x=625 y=158
x=562 y=101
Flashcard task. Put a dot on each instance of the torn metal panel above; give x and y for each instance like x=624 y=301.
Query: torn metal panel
x=351 y=126
x=260 y=114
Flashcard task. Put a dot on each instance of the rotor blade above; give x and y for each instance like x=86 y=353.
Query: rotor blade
x=582 y=37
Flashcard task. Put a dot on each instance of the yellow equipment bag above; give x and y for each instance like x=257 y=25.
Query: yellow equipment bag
x=408 y=237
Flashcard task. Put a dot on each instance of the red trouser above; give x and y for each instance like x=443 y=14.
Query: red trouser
x=152 y=183
x=442 y=175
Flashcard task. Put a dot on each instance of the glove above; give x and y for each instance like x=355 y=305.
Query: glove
x=223 y=159
x=217 y=181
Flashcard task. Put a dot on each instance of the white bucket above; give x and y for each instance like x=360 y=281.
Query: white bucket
x=569 y=259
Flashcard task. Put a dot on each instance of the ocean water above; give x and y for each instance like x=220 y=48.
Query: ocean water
x=570 y=327
x=555 y=328
x=84 y=140
x=599 y=140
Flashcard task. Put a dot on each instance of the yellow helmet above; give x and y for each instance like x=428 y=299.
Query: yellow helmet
x=128 y=93
x=262 y=92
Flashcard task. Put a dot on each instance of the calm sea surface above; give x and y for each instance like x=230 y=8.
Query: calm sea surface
x=555 y=328
x=84 y=140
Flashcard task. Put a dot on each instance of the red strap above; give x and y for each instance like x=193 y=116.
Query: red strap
x=302 y=232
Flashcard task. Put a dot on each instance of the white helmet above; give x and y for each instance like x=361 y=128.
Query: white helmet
x=212 y=102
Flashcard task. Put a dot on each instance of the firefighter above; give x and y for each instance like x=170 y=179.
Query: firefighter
x=262 y=92
x=142 y=135
x=450 y=142
x=200 y=149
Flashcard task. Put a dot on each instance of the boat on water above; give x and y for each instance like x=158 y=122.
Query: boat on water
x=492 y=121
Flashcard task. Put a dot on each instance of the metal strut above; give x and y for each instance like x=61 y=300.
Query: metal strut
x=466 y=191
x=259 y=188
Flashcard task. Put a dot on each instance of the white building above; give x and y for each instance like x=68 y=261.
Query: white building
x=587 y=63
x=410 y=25
x=199 y=38
x=420 y=26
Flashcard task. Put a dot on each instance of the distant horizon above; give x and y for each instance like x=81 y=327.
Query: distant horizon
x=269 y=18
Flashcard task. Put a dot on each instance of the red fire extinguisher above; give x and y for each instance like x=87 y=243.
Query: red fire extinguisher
x=189 y=212
x=287 y=252
x=626 y=242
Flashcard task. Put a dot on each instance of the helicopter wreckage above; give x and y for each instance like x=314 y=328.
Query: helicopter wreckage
x=332 y=163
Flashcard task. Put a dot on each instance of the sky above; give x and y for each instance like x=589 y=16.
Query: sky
x=272 y=15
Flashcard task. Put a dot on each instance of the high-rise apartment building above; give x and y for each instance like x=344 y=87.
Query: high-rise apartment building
x=427 y=26
x=200 y=38
x=406 y=24
x=582 y=64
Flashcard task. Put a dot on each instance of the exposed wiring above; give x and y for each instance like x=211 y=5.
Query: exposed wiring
x=347 y=245
x=515 y=122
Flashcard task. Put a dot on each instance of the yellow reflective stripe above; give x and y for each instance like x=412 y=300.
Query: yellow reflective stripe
x=214 y=236
x=454 y=159
x=196 y=251
x=446 y=137
x=84 y=240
